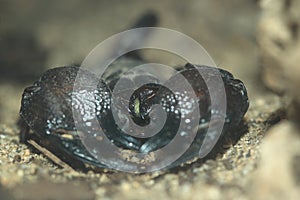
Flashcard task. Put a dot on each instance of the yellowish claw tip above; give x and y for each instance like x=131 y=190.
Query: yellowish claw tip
x=137 y=106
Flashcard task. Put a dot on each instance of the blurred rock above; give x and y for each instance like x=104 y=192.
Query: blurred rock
x=277 y=174
x=272 y=37
x=290 y=61
x=22 y=59
x=279 y=40
x=4 y=194
x=277 y=34
x=46 y=190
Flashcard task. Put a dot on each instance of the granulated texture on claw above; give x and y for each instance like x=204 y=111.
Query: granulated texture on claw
x=47 y=110
x=49 y=105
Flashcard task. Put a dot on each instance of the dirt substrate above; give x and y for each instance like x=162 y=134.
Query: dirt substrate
x=235 y=170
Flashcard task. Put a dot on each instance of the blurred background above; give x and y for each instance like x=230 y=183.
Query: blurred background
x=40 y=34
x=36 y=35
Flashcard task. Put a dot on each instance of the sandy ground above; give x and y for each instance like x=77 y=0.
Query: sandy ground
x=64 y=32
